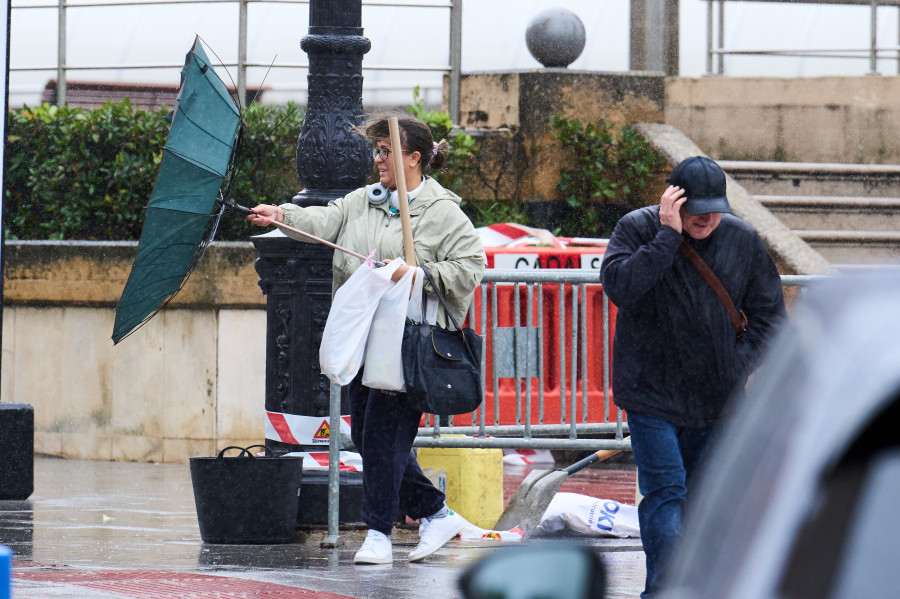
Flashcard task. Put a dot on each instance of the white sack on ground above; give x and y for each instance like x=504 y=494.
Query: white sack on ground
x=590 y=516
x=582 y=514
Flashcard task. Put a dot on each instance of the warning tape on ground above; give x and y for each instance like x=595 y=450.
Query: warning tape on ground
x=301 y=430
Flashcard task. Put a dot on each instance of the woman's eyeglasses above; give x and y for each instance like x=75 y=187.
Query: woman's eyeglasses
x=383 y=153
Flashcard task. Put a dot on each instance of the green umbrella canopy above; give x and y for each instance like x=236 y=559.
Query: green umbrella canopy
x=182 y=213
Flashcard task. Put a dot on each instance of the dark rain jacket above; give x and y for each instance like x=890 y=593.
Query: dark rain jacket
x=674 y=353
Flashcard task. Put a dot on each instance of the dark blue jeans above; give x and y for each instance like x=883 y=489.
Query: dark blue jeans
x=383 y=428
x=667 y=459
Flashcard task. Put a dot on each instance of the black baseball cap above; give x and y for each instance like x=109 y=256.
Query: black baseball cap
x=703 y=182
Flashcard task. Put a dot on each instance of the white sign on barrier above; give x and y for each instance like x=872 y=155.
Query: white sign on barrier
x=591 y=261
x=514 y=261
x=532 y=261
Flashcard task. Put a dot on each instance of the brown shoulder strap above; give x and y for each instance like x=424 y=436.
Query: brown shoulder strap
x=738 y=321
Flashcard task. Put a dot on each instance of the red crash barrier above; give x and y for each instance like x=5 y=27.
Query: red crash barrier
x=556 y=365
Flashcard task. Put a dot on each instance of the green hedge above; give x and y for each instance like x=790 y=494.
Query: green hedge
x=73 y=173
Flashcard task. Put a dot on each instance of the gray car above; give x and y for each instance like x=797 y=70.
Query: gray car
x=801 y=496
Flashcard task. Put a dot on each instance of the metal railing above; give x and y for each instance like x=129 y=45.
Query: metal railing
x=718 y=51
x=518 y=352
x=62 y=67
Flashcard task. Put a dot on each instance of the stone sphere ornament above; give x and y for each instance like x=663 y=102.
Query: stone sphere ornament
x=555 y=37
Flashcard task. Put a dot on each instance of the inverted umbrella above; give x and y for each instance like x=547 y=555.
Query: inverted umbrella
x=187 y=203
x=182 y=214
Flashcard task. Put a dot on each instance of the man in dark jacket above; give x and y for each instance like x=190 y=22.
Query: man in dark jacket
x=677 y=358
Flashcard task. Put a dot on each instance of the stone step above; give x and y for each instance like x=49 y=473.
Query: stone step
x=815 y=179
x=854 y=247
x=836 y=213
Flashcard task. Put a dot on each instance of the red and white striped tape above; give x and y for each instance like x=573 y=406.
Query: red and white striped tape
x=514 y=234
x=301 y=430
x=318 y=460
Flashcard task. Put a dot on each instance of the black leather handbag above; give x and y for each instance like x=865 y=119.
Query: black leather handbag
x=442 y=367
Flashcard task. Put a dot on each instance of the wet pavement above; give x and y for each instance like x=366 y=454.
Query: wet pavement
x=117 y=530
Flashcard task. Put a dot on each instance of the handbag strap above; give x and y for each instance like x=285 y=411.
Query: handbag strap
x=738 y=321
x=440 y=297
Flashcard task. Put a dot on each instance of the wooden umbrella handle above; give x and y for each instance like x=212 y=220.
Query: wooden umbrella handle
x=400 y=178
x=597 y=456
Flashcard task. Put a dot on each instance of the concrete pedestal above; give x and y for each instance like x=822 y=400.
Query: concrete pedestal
x=510 y=112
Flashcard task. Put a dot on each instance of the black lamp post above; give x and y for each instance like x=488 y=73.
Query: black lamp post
x=296 y=276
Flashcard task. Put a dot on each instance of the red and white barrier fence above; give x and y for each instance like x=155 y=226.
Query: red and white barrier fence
x=301 y=430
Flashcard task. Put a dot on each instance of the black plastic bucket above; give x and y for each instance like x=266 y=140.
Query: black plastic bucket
x=246 y=499
x=17 y=466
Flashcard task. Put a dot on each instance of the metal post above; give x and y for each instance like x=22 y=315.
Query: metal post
x=242 y=53
x=561 y=350
x=573 y=370
x=654 y=36
x=709 y=37
x=529 y=359
x=873 y=39
x=517 y=335
x=606 y=384
x=334 y=458
x=481 y=422
x=61 y=55
x=584 y=352
x=673 y=53
x=720 y=55
x=495 y=377
x=540 y=351
x=455 y=59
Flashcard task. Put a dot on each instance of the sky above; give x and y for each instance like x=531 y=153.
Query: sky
x=493 y=40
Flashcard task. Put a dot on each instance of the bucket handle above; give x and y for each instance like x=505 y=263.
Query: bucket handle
x=243 y=450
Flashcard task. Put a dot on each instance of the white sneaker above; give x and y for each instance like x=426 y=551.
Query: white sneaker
x=433 y=534
x=375 y=550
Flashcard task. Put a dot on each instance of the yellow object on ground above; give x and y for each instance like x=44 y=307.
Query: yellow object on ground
x=474 y=481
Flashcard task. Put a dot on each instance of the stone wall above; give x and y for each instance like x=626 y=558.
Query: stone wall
x=510 y=112
x=189 y=382
x=824 y=119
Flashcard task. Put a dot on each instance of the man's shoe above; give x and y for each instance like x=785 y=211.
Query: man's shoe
x=434 y=533
x=375 y=550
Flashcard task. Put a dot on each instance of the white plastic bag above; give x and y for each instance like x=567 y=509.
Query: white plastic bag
x=347 y=328
x=414 y=312
x=414 y=308
x=470 y=532
x=590 y=516
x=383 y=363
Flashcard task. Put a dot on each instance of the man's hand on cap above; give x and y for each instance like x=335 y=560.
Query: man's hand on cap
x=670 y=207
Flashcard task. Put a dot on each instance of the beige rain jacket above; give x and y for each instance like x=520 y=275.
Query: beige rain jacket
x=446 y=243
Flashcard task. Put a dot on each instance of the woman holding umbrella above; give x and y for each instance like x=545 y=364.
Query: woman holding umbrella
x=383 y=426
